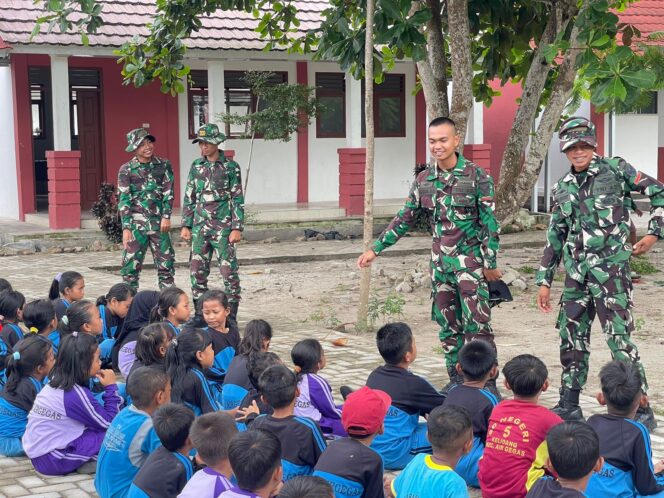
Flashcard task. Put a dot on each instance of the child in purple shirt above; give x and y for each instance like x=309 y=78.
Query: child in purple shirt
x=66 y=425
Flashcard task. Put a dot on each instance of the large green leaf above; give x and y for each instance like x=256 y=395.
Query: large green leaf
x=640 y=79
x=617 y=89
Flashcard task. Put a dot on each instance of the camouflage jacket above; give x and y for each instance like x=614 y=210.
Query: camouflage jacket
x=214 y=194
x=589 y=227
x=145 y=193
x=460 y=204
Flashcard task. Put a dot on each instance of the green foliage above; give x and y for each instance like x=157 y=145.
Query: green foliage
x=389 y=309
x=642 y=265
x=527 y=270
x=106 y=212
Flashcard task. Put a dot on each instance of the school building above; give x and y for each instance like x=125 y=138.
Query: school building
x=65 y=113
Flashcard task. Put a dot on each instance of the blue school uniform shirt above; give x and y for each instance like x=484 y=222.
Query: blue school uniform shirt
x=236 y=383
x=129 y=441
x=9 y=336
x=14 y=407
x=54 y=337
x=302 y=442
x=353 y=469
x=224 y=345
x=164 y=475
x=206 y=483
x=111 y=325
x=196 y=393
x=628 y=469
x=424 y=478
x=61 y=305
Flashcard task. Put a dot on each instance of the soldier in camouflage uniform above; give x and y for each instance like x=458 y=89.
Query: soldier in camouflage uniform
x=589 y=231
x=458 y=195
x=145 y=204
x=213 y=215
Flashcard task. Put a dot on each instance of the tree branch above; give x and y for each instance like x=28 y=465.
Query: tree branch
x=462 y=66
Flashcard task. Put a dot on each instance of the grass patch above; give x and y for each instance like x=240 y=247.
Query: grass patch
x=528 y=270
x=642 y=265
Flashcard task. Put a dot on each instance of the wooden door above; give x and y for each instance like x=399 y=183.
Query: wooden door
x=90 y=145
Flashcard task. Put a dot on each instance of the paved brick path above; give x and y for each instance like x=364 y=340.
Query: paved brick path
x=348 y=365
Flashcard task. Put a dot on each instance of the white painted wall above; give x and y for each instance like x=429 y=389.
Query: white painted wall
x=9 y=184
x=636 y=138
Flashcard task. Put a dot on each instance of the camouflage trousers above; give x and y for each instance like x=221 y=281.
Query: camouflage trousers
x=162 y=252
x=611 y=301
x=461 y=308
x=206 y=241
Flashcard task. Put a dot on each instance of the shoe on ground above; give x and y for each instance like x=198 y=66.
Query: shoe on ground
x=569 y=412
x=647 y=418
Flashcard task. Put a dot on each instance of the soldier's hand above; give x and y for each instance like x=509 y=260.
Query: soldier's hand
x=126 y=237
x=235 y=236
x=544 y=299
x=185 y=234
x=492 y=275
x=165 y=225
x=366 y=258
x=644 y=245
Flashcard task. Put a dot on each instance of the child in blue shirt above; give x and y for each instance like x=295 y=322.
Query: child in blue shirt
x=131 y=438
x=167 y=470
x=450 y=431
x=27 y=367
x=39 y=318
x=66 y=288
x=11 y=313
x=113 y=308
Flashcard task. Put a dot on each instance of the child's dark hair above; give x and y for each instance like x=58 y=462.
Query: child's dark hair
x=256 y=333
x=75 y=356
x=144 y=383
x=119 y=292
x=621 y=384
x=526 y=374
x=29 y=353
x=394 y=340
x=38 y=315
x=168 y=297
x=63 y=281
x=172 y=422
x=278 y=385
x=214 y=295
x=476 y=358
x=150 y=339
x=307 y=487
x=77 y=315
x=211 y=434
x=306 y=356
x=181 y=357
x=10 y=302
x=254 y=456
x=449 y=427
x=573 y=449
x=5 y=285
x=258 y=363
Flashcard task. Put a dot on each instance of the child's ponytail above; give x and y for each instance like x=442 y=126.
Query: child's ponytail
x=38 y=315
x=150 y=339
x=306 y=356
x=256 y=334
x=77 y=315
x=63 y=281
x=29 y=353
x=119 y=292
x=181 y=357
x=10 y=302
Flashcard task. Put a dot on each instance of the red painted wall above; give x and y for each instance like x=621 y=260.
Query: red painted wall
x=25 y=171
x=498 y=119
x=302 y=143
x=598 y=119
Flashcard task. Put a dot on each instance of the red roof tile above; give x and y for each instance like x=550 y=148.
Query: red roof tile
x=230 y=30
x=647 y=16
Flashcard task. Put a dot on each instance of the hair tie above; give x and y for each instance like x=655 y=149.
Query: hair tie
x=74 y=333
x=65 y=320
x=174 y=342
x=297 y=369
x=58 y=277
x=34 y=330
x=16 y=355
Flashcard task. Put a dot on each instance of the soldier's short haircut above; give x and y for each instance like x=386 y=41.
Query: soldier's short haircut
x=307 y=487
x=621 y=384
x=278 y=385
x=477 y=358
x=211 y=434
x=144 y=383
x=394 y=340
x=449 y=427
x=442 y=121
x=573 y=449
x=526 y=374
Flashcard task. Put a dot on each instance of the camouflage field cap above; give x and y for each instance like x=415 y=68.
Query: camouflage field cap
x=209 y=133
x=576 y=130
x=135 y=137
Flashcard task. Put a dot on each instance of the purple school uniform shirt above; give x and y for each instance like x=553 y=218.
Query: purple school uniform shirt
x=315 y=400
x=59 y=417
x=127 y=357
x=238 y=493
x=206 y=483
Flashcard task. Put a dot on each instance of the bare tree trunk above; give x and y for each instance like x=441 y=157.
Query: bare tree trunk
x=462 y=66
x=433 y=70
x=365 y=279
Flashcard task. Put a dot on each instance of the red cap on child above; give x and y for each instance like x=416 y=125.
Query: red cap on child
x=364 y=411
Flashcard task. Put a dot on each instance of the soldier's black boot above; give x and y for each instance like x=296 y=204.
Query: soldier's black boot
x=233 y=306
x=646 y=417
x=568 y=407
x=196 y=321
x=493 y=389
x=455 y=379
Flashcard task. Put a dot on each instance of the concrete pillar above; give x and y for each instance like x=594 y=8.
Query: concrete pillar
x=216 y=97
x=475 y=128
x=9 y=187
x=354 y=122
x=61 y=102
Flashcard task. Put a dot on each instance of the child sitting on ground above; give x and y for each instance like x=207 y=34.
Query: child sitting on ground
x=167 y=470
x=66 y=425
x=574 y=457
x=255 y=457
x=258 y=363
x=302 y=441
x=27 y=367
x=354 y=469
x=624 y=443
x=450 y=432
x=515 y=453
x=315 y=400
x=66 y=289
x=81 y=316
x=39 y=318
x=151 y=347
x=11 y=310
x=257 y=337
x=307 y=487
x=211 y=434
x=477 y=364
x=113 y=308
x=411 y=395
x=172 y=308
x=131 y=437
x=140 y=312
